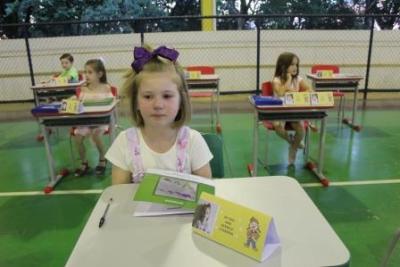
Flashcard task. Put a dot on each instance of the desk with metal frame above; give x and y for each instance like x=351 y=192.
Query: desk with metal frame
x=48 y=90
x=293 y=113
x=307 y=239
x=93 y=116
x=207 y=82
x=339 y=82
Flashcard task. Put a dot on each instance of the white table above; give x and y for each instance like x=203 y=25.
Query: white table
x=92 y=116
x=207 y=82
x=124 y=240
x=341 y=81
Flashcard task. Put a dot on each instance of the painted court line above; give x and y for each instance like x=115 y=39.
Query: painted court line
x=99 y=191
x=64 y=192
x=392 y=181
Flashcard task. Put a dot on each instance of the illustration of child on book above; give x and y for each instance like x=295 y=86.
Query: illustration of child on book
x=203 y=218
x=253 y=233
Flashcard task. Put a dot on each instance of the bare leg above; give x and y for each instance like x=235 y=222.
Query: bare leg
x=96 y=137
x=281 y=132
x=82 y=154
x=299 y=129
x=80 y=146
x=296 y=142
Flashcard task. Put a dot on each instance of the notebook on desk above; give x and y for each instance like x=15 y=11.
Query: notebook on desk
x=166 y=192
x=98 y=102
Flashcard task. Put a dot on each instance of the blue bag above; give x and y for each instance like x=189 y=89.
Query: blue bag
x=46 y=108
x=267 y=100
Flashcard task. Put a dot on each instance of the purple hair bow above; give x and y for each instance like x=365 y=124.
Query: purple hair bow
x=142 y=56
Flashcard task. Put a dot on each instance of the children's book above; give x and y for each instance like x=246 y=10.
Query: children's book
x=324 y=99
x=98 y=102
x=71 y=105
x=238 y=227
x=297 y=99
x=167 y=192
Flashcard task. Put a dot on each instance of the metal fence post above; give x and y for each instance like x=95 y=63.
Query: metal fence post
x=371 y=38
x=28 y=52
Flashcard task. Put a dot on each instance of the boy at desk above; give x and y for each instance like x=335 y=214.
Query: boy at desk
x=70 y=73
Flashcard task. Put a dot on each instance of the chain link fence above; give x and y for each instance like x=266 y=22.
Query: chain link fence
x=233 y=53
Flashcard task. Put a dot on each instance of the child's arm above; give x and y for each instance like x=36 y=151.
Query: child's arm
x=305 y=87
x=280 y=89
x=204 y=171
x=120 y=176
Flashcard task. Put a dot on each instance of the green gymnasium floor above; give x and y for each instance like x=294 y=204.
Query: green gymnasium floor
x=362 y=204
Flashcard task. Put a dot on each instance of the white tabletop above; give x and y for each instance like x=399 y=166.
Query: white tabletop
x=124 y=240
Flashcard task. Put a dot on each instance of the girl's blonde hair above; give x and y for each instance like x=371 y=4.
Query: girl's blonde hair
x=98 y=66
x=157 y=64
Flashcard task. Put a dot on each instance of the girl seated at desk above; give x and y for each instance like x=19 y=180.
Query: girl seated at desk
x=95 y=88
x=286 y=80
x=160 y=107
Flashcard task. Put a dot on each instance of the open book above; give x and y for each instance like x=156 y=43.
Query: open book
x=167 y=192
x=98 y=102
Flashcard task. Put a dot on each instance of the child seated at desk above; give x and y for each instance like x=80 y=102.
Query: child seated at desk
x=160 y=107
x=70 y=73
x=95 y=88
x=287 y=79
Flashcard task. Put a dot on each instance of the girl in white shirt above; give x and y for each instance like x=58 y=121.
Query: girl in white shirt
x=160 y=107
x=95 y=88
x=286 y=80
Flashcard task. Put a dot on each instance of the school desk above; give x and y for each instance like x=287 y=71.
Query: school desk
x=207 y=82
x=307 y=239
x=340 y=81
x=92 y=116
x=292 y=113
x=52 y=90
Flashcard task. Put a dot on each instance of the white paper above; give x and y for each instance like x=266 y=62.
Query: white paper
x=148 y=209
x=272 y=242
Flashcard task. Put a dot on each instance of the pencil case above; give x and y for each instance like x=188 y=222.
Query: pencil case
x=267 y=101
x=46 y=108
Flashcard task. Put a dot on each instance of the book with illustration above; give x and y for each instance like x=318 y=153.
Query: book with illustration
x=243 y=229
x=167 y=192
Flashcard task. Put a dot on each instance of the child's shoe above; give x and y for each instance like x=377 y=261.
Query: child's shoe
x=83 y=170
x=101 y=168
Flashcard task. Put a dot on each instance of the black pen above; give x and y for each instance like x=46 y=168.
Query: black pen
x=103 y=218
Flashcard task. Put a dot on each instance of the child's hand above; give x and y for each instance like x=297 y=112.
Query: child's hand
x=289 y=77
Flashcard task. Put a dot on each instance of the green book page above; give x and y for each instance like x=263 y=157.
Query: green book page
x=179 y=190
x=98 y=102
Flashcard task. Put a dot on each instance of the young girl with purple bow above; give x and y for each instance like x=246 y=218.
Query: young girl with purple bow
x=160 y=107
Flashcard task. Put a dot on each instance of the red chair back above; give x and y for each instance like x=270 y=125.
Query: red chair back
x=318 y=67
x=266 y=89
x=202 y=69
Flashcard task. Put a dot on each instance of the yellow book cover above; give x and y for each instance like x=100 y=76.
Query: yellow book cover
x=71 y=106
x=324 y=99
x=245 y=230
x=61 y=80
x=194 y=74
x=325 y=73
x=297 y=99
